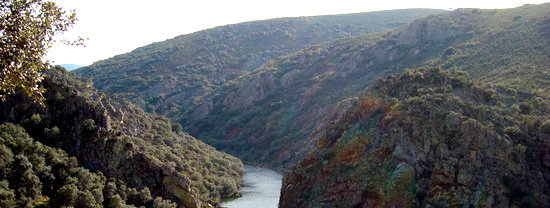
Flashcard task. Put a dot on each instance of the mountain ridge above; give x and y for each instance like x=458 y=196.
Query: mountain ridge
x=290 y=98
x=166 y=76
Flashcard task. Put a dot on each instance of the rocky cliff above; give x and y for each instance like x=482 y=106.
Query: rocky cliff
x=429 y=138
x=116 y=138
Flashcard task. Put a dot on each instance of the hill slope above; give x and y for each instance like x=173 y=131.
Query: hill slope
x=116 y=138
x=165 y=77
x=35 y=175
x=429 y=138
x=275 y=114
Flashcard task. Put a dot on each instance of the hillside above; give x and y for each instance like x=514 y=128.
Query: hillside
x=35 y=175
x=166 y=77
x=274 y=115
x=429 y=138
x=111 y=138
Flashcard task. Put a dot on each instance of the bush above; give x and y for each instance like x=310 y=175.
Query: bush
x=36 y=119
x=526 y=107
x=176 y=127
x=513 y=131
x=7 y=195
x=161 y=203
x=54 y=131
x=88 y=124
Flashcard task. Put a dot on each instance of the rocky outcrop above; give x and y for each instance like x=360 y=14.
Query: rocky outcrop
x=249 y=91
x=428 y=138
x=439 y=28
x=202 y=110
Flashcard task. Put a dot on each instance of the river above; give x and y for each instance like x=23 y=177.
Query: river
x=261 y=189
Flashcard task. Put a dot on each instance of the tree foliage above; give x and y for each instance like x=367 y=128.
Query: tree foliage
x=27 y=30
x=35 y=175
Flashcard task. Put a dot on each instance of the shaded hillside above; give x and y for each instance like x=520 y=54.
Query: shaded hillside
x=35 y=175
x=165 y=77
x=118 y=139
x=275 y=114
x=429 y=138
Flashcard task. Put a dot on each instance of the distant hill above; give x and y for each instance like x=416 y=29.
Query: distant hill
x=147 y=160
x=429 y=138
x=275 y=114
x=70 y=67
x=167 y=77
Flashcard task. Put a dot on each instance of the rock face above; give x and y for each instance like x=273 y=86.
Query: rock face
x=429 y=138
x=119 y=140
x=275 y=114
x=166 y=77
x=438 y=28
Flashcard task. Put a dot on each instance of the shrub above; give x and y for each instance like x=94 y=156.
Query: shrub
x=161 y=203
x=36 y=119
x=54 y=131
x=88 y=124
x=526 y=107
x=513 y=130
x=176 y=127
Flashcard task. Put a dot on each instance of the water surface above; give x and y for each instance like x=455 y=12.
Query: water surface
x=261 y=189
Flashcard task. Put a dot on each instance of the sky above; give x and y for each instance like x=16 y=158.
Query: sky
x=113 y=27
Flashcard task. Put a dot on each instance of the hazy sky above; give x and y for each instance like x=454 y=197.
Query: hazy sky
x=119 y=26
